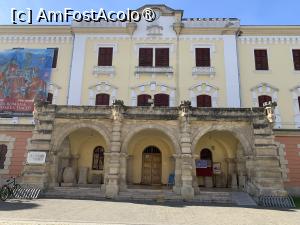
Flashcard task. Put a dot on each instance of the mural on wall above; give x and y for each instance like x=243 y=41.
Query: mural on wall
x=24 y=76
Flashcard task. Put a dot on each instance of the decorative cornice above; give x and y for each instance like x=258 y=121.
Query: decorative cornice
x=35 y=30
x=269 y=39
x=211 y=22
x=35 y=39
x=270 y=30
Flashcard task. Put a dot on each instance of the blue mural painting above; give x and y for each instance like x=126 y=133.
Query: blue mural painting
x=24 y=76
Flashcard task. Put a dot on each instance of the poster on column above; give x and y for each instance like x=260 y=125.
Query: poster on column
x=24 y=77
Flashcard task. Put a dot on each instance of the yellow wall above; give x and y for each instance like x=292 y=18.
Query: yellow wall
x=281 y=75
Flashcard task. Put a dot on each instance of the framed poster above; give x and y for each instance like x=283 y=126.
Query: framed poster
x=217 y=168
x=201 y=163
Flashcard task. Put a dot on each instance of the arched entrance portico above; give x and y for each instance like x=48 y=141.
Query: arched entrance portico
x=79 y=157
x=220 y=161
x=149 y=150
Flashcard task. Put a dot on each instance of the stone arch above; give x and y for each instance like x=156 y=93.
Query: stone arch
x=167 y=131
x=245 y=142
x=67 y=129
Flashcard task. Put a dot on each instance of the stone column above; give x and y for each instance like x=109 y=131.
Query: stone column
x=195 y=179
x=37 y=173
x=232 y=179
x=113 y=177
x=187 y=190
x=177 y=186
x=123 y=168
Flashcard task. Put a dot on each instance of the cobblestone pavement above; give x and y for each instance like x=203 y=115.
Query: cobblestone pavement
x=62 y=212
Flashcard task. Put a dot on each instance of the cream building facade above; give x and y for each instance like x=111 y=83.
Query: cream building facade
x=210 y=62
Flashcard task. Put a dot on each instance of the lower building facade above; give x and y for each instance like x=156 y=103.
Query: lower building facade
x=117 y=146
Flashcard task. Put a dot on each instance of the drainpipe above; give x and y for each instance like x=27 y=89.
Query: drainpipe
x=70 y=67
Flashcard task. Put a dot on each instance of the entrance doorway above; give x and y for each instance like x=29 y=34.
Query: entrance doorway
x=151 y=168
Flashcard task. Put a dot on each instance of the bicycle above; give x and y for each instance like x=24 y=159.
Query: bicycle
x=8 y=190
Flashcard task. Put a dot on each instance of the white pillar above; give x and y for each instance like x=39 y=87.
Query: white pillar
x=231 y=71
x=77 y=67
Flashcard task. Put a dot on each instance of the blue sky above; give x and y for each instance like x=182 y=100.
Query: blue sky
x=250 y=12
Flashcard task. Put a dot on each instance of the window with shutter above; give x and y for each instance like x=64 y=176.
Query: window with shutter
x=203 y=101
x=98 y=158
x=162 y=57
x=261 y=59
x=202 y=57
x=146 y=57
x=102 y=99
x=262 y=99
x=161 y=100
x=143 y=100
x=105 y=56
x=296 y=59
x=3 y=151
x=50 y=98
x=55 y=56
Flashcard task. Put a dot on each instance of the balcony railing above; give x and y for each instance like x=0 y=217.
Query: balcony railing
x=210 y=71
x=154 y=70
x=104 y=70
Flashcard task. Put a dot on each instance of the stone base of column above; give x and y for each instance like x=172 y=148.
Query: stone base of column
x=177 y=190
x=36 y=176
x=112 y=188
x=187 y=192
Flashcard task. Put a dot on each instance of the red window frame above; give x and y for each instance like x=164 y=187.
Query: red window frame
x=261 y=59
x=102 y=99
x=142 y=100
x=262 y=99
x=105 y=55
x=204 y=101
x=161 y=100
x=202 y=57
x=146 y=57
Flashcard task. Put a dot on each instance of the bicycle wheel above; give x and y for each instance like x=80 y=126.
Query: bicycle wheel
x=5 y=192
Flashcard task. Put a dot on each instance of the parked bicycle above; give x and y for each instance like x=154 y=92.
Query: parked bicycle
x=9 y=189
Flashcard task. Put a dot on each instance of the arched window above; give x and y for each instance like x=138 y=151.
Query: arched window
x=50 y=98
x=142 y=100
x=98 y=158
x=161 y=100
x=3 y=151
x=151 y=149
x=102 y=99
x=206 y=154
x=262 y=99
x=203 y=101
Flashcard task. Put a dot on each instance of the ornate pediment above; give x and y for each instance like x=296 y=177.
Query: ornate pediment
x=162 y=9
x=154 y=29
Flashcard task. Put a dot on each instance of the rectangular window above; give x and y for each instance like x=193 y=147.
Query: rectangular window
x=261 y=59
x=162 y=57
x=55 y=56
x=105 y=56
x=146 y=57
x=296 y=58
x=202 y=57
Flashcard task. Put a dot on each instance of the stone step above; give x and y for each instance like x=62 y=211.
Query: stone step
x=243 y=199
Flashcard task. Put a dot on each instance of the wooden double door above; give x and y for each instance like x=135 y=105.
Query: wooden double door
x=151 y=169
